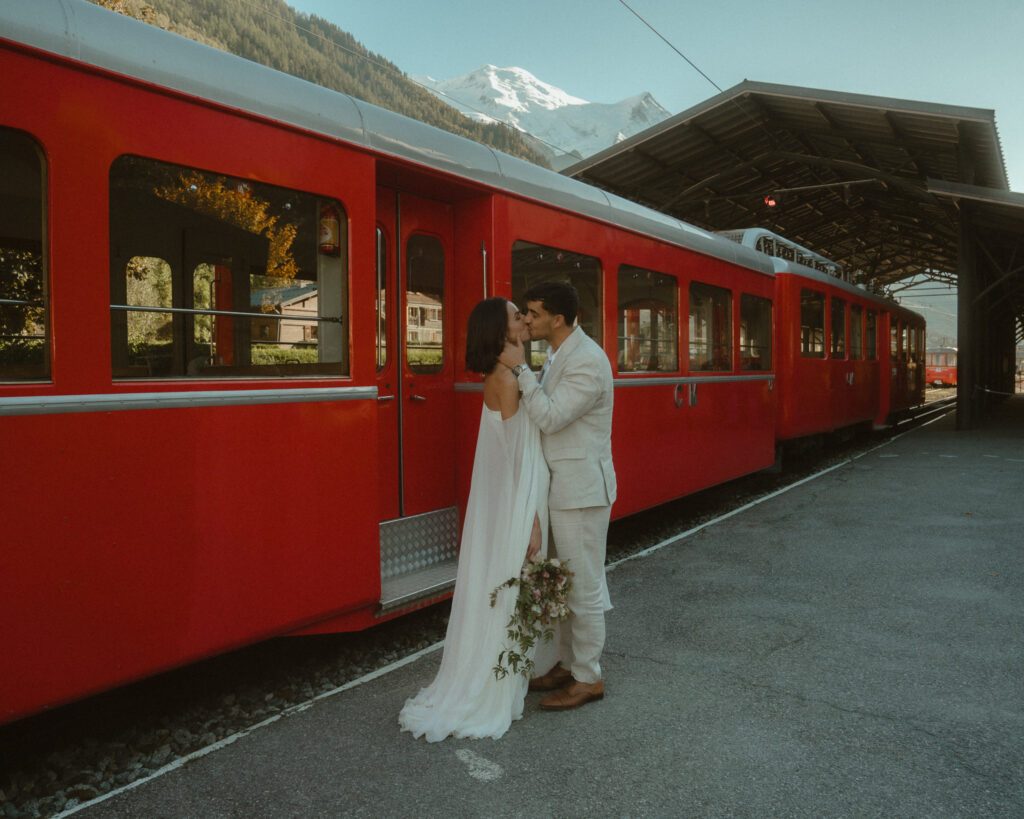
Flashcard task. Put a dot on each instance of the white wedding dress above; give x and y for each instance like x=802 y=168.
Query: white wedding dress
x=509 y=486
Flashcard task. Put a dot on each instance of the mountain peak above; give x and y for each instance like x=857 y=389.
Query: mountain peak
x=568 y=125
x=505 y=89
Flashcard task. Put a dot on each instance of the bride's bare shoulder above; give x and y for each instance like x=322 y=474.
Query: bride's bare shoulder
x=501 y=391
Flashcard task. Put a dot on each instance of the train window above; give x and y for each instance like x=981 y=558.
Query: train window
x=533 y=264
x=216 y=276
x=871 y=336
x=424 y=304
x=856 y=332
x=894 y=339
x=904 y=343
x=710 y=327
x=24 y=336
x=837 y=335
x=755 y=333
x=812 y=324
x=648 y=321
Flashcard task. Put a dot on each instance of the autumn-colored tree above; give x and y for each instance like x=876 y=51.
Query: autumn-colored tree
x=237 y=205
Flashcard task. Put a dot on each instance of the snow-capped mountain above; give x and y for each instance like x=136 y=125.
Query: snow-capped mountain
x=567 y=128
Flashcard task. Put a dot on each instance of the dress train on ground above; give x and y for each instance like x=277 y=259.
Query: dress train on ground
x=509 y=486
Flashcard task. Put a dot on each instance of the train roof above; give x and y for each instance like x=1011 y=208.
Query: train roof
x=789 y=257
x=774 y=245
x=81 y=31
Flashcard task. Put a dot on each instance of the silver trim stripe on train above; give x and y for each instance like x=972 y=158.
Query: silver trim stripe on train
x=115 y=402
x=654 y=381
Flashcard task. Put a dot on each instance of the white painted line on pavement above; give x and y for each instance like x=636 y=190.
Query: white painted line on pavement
x=479 y=767
x=287 y=712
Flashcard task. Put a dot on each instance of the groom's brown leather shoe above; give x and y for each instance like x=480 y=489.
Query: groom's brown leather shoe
x=556 y=678
x=573 y=697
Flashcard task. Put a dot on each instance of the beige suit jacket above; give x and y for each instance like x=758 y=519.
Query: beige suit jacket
x=573 y=409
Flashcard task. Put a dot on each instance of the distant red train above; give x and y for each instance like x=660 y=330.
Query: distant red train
x=232 y=312
x=940 y=367
x=830 y=337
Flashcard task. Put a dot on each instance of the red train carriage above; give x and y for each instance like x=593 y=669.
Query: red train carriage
x=679 y=384
x=940 y=367
x=230 y=380
x=835 y=368
x=906 y=363
x=232 y=311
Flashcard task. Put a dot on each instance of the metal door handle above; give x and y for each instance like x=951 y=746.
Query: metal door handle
x=382 y=398
x=415 y=397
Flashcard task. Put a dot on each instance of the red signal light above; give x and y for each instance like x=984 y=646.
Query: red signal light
x=769 y=200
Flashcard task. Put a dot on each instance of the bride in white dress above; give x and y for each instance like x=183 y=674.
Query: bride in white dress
x=506 y=519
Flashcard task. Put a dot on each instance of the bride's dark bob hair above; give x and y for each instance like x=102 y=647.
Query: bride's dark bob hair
x=486 y=334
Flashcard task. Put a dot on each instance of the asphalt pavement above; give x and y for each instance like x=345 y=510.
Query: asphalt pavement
x=851 y=647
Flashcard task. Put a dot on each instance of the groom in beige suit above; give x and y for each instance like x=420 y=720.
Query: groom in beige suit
x=572 y=406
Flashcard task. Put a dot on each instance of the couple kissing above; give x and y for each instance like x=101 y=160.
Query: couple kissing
x=543 y=462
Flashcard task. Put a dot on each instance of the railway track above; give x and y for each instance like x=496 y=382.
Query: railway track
x=53 y=763
x=937 y=406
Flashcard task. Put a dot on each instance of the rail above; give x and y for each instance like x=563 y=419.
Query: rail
x=932 y=409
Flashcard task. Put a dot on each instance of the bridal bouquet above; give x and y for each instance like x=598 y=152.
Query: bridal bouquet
x=542 y=601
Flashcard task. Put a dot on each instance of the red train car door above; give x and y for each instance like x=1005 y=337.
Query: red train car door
x=416 y=394
x=416 y=380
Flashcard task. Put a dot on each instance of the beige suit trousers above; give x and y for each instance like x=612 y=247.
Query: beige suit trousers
x=581 y=538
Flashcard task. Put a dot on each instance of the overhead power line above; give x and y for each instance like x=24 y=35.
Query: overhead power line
x=757 y=122
x=667 y=42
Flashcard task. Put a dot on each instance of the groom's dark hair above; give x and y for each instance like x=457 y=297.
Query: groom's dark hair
x=486 y=332
x=558 y=298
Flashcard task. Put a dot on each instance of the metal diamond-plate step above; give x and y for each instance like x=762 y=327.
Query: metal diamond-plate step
x=419 y=557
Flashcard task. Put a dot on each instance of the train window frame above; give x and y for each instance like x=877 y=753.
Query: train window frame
x=871 y=335
x=383 y=289
x=259 y=276
x=856 y=345
x=709 y=325
x=533 y=263
x=25 y=327
x=425 y=318
x=755 y=344
x=812 y=323
x=913 y=334
x=647 y=320
x=837 y=328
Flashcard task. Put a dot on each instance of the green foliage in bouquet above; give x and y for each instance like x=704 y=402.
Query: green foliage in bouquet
x=541 y=602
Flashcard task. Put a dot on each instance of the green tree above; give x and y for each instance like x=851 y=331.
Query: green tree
x=272 y=33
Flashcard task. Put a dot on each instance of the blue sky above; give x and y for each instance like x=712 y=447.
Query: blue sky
x=957 y=52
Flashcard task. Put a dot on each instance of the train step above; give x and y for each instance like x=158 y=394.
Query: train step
x=419 y=557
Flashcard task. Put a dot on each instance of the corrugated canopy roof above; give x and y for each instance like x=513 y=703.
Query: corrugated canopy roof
x=874 y=183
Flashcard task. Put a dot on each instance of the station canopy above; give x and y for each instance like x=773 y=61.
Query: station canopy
x=882 y=186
